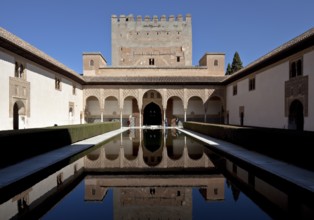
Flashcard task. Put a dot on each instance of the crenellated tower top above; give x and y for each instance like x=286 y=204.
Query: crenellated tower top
x=154 y=19
x=151 y=41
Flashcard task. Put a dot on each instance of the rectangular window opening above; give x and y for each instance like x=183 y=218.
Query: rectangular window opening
x=235 y=90
x=151 y=61
x=252 y=84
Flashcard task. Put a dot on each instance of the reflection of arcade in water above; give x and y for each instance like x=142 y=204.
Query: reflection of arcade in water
x=138 y=149
x=154 y=197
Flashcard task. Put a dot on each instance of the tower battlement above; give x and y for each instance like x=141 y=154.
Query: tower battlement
x=130 y=18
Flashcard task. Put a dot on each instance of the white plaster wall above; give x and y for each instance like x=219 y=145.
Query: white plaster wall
x=196 y=106
x=93 y=106
x=6 y=70
x=49 y=106
x=111 y=105
x=127 y=107
x=308 y=67
x=178 y=107
x=213 y=107
x=263 y=106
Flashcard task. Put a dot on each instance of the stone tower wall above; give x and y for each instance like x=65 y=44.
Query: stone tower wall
x=151 y=41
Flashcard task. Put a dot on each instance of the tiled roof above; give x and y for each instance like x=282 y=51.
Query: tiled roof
x=297 y=44
x=155 y=80
x=13 y=43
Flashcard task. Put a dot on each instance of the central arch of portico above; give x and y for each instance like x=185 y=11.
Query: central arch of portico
x=127 y=104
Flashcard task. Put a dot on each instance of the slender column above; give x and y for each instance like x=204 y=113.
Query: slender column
x=121 y=112
x=102 y=115
x=164 y=125
x=140 y=111
x=184 y=115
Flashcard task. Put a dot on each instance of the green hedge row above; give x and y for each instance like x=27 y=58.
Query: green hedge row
x=17 y=145
x=283 y=144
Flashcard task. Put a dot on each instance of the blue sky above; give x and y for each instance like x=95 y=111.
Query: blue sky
x=64 y=29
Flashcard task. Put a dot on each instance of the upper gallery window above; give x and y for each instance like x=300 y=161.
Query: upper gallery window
x=57 y=83
x=235 y=89
x=19 y=70
x=296 y=68
x=252 y=84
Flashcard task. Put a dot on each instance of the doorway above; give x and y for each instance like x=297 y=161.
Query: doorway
x=296 y=117
x=152 y=114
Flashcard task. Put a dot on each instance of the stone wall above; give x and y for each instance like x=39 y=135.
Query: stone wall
x=152 y=41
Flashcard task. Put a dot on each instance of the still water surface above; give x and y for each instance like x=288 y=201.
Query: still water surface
x=152 y=174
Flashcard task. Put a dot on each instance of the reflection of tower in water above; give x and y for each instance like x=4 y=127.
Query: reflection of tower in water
x=154 y=197
x=153 y=203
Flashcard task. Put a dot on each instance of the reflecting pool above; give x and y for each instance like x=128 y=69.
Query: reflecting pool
x=155 y=174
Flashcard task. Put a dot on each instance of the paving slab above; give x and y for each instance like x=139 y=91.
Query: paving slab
x=16 y=172
x=289 y=172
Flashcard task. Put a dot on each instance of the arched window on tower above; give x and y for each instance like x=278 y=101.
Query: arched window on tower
x=215 y=62
x=91 y=63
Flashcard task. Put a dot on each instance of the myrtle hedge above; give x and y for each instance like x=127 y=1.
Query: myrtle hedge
x=18 y=145
x=288 y=145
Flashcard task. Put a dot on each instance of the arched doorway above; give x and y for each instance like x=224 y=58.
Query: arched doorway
x=92 y=110
x=214 y=110
x=195 y=110
x=152 y=114
x=18 y=110
x=296 y=118
x=130 y=112
x=175 y=110
x=111 y=109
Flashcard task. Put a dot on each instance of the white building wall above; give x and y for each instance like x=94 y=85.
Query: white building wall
x=264 y=106
x=6 y=70
x=308 y=65
x=49 y=106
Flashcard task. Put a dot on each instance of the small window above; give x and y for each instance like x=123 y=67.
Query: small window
x=299 y=68
x=19 y=70
x=216 y=63
x=296 y=68
x=74 y=90
x=178 y=59
x=235 y=90
x=16 y=71
x=252 y=84
x=21 y=73
x=151 y=61
x=58 y=84
x=91 y=63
